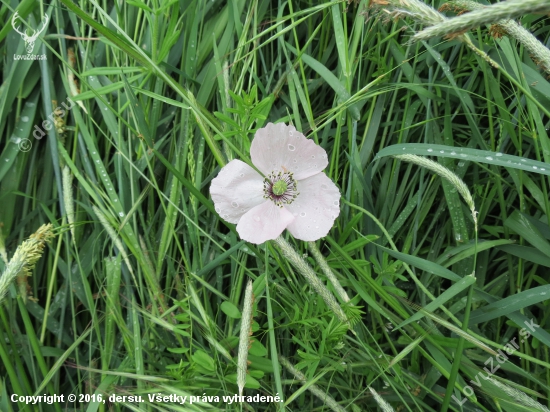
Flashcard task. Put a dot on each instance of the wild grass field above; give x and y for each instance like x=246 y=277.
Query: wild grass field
x=124 y=286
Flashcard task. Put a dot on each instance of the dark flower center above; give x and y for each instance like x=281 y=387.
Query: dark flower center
x=280 y=188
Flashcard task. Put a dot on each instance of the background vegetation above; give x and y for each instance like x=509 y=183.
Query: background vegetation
x=144 y=294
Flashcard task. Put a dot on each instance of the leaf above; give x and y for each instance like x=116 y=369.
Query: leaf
x=523 y=226
x=202 y=359
x=510 y=304
x=331 y=79
x=425 y=265
x=230 y=310
x=466 y=154
x=441 y=299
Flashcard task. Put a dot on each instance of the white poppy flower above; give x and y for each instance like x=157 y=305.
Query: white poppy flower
x=295 y=194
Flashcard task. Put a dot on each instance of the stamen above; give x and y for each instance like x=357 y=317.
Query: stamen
x=280 y=188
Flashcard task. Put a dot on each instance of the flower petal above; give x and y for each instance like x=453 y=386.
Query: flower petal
x=315 y=208
x=264 y=222
x=280 y=148
x=236 y=190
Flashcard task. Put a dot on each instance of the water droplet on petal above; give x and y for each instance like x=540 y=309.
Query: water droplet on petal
x=234 y=204
x=313 y=156
x=242 y=174
x=335 y=203
x=303 y=214
x=291 y=148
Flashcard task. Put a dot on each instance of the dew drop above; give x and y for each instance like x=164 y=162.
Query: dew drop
x=234 y=204
x=463 y=155
x=295 y=161
x=404 y=148
x=499 y=154
x=543 y=169
x=535 y=167
x=291 y=133
x=225 y=216
x=242 y=175
x=523 y=160
x=25 y=119
x=120 y=214
x=335 y=203
x=303 y=214
x=291 y=148
x=430 y=150
x=442 y=151
x=489 y=158
x=257 y=218
x=453 y=153
x=313 y=156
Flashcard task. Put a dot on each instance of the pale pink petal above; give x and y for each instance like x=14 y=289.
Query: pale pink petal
x=236 y=190
x=315 y=208
x=280 y=148
x=264 y=222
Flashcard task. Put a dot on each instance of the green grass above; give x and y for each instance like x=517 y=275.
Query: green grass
x=145 y=296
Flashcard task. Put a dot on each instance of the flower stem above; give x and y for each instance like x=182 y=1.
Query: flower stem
x=307 y=272
x=327 y=271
